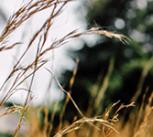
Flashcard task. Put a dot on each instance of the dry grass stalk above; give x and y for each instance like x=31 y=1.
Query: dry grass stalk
x=19 y=73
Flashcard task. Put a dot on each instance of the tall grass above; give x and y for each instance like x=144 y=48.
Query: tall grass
x=41 y=121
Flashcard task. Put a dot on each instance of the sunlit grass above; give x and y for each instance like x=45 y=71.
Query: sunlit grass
x=45 y=121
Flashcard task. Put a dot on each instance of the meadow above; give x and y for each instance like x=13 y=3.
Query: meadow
x=49 y=120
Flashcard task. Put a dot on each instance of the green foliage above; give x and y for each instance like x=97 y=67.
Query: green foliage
x=5 y=135
x=132 y=60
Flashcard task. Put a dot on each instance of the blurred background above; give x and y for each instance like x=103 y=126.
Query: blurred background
x=107 y=69
x=65 y=23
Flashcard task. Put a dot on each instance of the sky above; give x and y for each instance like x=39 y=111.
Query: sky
x=66 y=22
x=72 y=17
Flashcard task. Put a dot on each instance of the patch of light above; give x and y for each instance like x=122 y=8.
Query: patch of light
x=131 y=14
x=138 y=36
x=141 y=4
x=147 y=47
x=119 y=23
x=149 y=19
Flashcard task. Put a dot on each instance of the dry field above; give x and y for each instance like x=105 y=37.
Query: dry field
x=41 y=121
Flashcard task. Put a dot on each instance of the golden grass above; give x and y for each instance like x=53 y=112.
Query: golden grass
x=101 y=126
x=84 y=125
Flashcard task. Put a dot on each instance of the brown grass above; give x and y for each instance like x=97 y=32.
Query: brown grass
x=101 y=125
